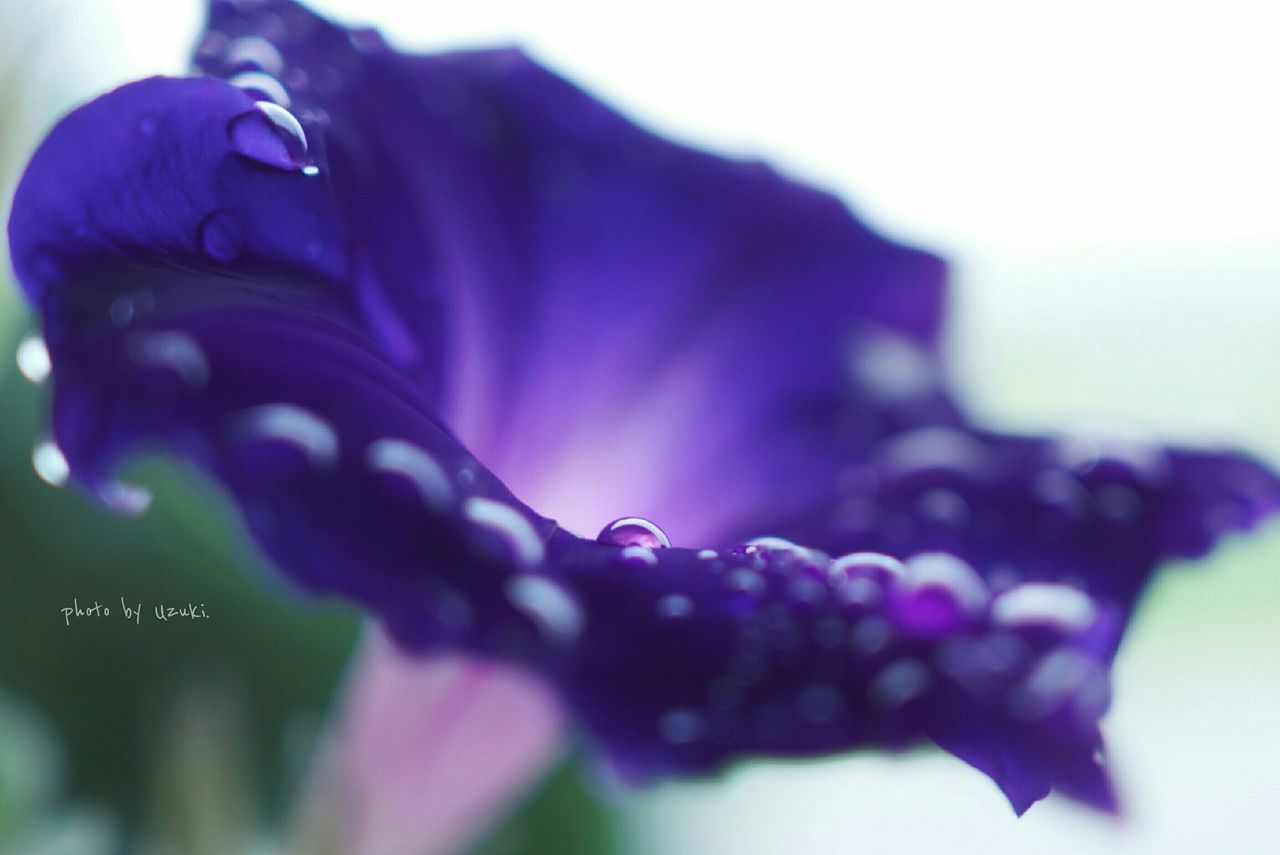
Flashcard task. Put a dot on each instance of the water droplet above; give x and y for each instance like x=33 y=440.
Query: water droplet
x=641 y=555
x=550 y=606
x=511 y=525
x=128 y=306
x=871 y=634
x=708 y=554
x=220 y=236
x=892 y=368
x=50 y=463
x=33 y=359
x=170 y=349
x=935 y=448
x=881 y=569
x=293 y=425
x=820 y=703
x=129 y=499
x=311 y=170
x=269 y=134
x=806 y=589
x=745 y=581
x=675 y=606
x=633 y=531
x=451 y=609
x=147 y=125
x=212 y=45
x=296 y=78
x=1119 y=503
x=367 y=40
x=943 y=506
x=899 y=683
x=254 y=52
x=1061 y=674
x=409 y=461
x=680 y=727
x=781 y=545
x=945 y=571
x=263 y=87
x=1045 y=604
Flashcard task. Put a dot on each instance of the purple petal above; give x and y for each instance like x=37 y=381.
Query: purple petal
x=618 y=326
x=505 y=221
x=1100 y=515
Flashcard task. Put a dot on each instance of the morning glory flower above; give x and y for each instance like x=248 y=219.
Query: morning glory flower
x=409 y=311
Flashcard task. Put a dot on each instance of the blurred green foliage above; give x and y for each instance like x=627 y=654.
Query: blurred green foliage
x=105 y=682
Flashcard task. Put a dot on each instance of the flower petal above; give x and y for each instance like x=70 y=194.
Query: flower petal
x=693 y=318
x=291 y=330
x=1098 y=514
x=430 y=750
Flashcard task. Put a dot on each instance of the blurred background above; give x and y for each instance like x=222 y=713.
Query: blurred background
x=1103 y=177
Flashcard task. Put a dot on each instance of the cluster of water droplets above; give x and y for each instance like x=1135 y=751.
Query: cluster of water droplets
x=905 y=626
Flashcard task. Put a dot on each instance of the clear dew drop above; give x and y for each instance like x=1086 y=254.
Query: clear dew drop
x=1045 y=604
x=547 y=604
x=269 y=134
x=633 y=531
x=50 y=463
x=510 y=525
x=33 y=359
x=292 y=425
x=674 y=607
x=398 y=457
x=220 y=236
x=264 y=87
x=254 y=52
x=172 y=349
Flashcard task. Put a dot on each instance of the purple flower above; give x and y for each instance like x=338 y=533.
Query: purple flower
x=368 y=292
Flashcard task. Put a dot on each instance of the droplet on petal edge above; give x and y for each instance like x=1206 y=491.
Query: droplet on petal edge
x=33 y=359
x=269 y=134
x=633 y=531
x=50 y=463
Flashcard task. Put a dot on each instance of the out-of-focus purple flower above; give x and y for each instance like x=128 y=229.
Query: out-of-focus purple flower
x=369 y=292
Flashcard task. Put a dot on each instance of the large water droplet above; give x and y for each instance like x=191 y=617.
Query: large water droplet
x=50 y=463
x=254 y=52
x=263 y=87
x=33 y=359
x=269 y=134
x=220 y=236
x=633 y=531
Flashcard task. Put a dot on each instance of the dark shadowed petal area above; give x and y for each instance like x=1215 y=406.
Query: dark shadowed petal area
x=330 y=307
